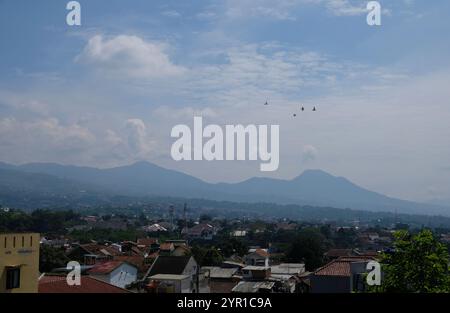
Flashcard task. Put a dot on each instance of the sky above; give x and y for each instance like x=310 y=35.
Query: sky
x=107 y=93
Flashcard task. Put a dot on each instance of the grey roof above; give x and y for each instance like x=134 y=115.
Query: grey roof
x=288 y=268
x=219 y=272
x=255 y=268
x=168 y=277
x=252 y=286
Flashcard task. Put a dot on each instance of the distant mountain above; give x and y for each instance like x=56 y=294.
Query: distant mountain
x=138 y=179
x=318 y=188
x=313 y=187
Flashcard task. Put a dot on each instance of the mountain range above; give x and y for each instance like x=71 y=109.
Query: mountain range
x=312 y=187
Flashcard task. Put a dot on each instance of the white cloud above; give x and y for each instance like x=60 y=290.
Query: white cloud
x=138 y=141
x=283 y=9
x=129 y=56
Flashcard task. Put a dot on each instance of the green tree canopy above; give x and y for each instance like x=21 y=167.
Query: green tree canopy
x=307 y=247
x=419 y=263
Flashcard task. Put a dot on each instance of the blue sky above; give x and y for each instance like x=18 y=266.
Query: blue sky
x=108 y=92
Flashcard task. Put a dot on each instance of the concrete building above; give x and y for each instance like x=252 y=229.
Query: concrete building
x=19 y=262
x=343 y=275
x=117 y=273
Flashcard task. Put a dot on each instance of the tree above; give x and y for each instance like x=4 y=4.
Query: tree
x=417 y=264
x=212 y=257
x=231 y=246
x=308 y=247
x=51 y=258
x=206 y=256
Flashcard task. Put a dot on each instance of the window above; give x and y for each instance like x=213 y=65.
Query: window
x=31 y=241
x=23 y=241
x=6 y=241
x=14 y=242
x=13 y=278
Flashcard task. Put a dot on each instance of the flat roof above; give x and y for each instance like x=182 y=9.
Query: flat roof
x=256 y=268
x=168 y=277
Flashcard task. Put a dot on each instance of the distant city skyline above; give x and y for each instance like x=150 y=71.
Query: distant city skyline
x=108 y=92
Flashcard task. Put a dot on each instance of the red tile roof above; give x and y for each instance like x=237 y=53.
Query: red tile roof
x=340 y=267
x=105 y=268
x=138 y=261
x=339 y=252
x=58 y=284
x=262 y=253
x=147 y=241
x=334 y=268
x=97 y=249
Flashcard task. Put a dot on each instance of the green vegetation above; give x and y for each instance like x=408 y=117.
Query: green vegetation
x=100 y=234
x=419 y=263
x=307 y=247
x=207 y=256
x=42 y=221
x=51 y=258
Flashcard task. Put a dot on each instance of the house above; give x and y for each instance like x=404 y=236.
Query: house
x=166 y=248
x=288 y=269
x=287 y=276
x=202 y=231
x=238 y=233
x=257 y=257
x=58 y=284
x=333 y=254
x=252 y=272
x=117 y=273
x=140 y=262
x=147 y=242
x=19 y=262
x=131 y=248
x=183 y=272
x=169 y=283
x=181 y=250
x=342 y=275
x=221 y=280
x=168 y=226
x=93 y=253
x=148 y=245
x=154 y=228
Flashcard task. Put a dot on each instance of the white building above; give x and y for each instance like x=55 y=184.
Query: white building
x=117 y=273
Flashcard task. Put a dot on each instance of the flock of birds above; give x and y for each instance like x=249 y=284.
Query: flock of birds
x=295 y=114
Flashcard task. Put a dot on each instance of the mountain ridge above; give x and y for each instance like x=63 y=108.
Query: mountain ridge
x=312 y=187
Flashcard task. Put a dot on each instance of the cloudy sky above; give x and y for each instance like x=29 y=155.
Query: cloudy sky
x=108 y=92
